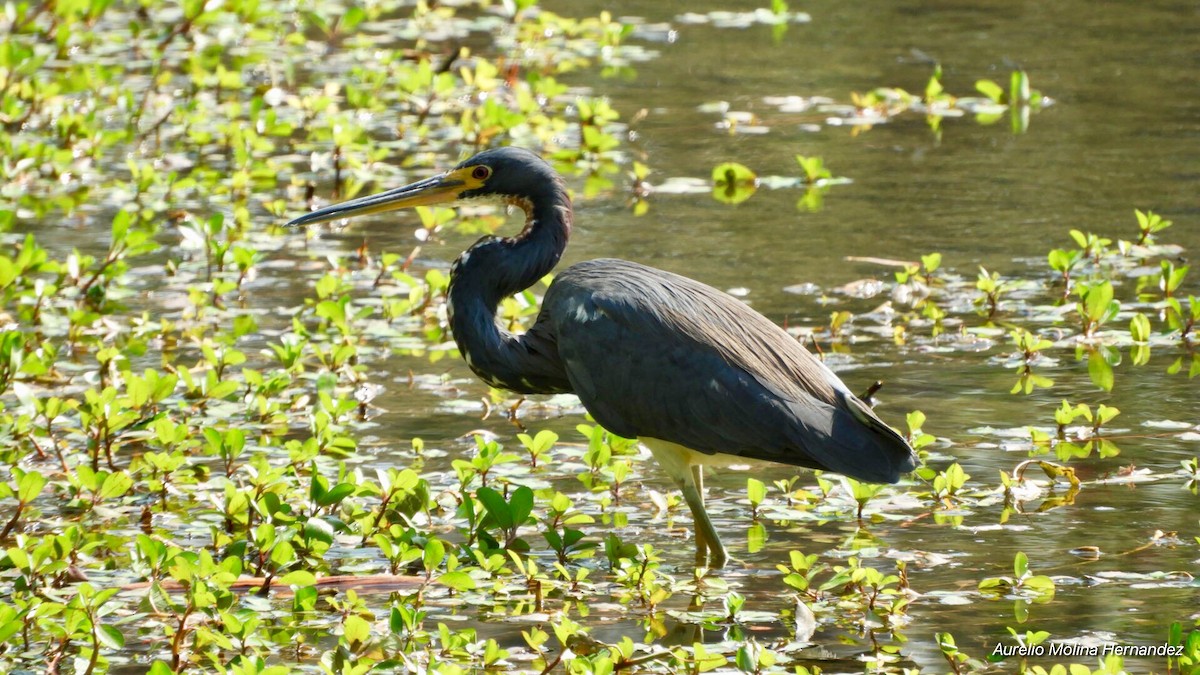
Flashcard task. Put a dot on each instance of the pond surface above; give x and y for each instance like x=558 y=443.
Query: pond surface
x=1121 y=131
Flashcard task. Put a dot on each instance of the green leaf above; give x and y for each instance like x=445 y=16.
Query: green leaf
x=934 y=88
x=615 y=549
x=9 y=625
x=298 y=578
x=458 y=580
x=744 y=661
x=706 y=661
x=1020 y=564
x=356 y=630
x=1039 y=584
x=319 y=530
x=8 y=271
x=1139 y=328
x=30 y=486
x=756 y=491
x=111 y=637
x=863 y=492
x=160 y=668
x=542 y=442
x=120 y=226
x=1105 y=413
x=732 y=173
x=597 y=141
x=997 y=585
x=733 y=183
x=435 y=553
x=991 y=90
x=1097 y=300
x=571 y=536
x=18 y=558
x=1175 y=632
x=1062 y=260
x=814 y=168
x=496 y=507
x=115 y=485
x=283 y=553
x=193 y=9
x=354 y=15
x=214 y=438
x=1019 y=91
x=520 y=505
x=335 y=495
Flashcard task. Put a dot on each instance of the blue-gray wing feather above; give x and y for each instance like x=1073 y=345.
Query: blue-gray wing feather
x=657 y=355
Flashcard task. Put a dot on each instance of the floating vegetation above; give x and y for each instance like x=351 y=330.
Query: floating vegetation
x=192 y=405
x=779 y=14
x=733 y=183
x=884 y=104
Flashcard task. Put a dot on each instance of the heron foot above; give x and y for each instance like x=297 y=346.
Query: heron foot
x=711 y=563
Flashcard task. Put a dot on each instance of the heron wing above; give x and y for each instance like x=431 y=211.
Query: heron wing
x=657 y=355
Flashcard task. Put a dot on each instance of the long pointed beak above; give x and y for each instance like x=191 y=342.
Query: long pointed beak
x=437 y=190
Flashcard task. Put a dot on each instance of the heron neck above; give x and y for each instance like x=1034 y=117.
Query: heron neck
x=524 y=259
x=494 y=269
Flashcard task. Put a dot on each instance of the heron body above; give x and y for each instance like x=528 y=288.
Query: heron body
x=695 y=374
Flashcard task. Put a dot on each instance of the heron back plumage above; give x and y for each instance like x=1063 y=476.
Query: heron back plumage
x=658 y=355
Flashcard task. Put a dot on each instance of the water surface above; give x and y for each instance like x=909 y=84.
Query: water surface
x=1123 y=133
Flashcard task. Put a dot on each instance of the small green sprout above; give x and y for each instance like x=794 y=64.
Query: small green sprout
x=1096 y=306
x=756 y=492
x=1149 y=224
x=813 y=168
x=993 y=287
x=1023 y=583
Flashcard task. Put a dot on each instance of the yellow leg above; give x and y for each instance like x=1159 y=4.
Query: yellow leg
x=679 y=463
x=693 y=493
x=702 y=544
x=707 y=539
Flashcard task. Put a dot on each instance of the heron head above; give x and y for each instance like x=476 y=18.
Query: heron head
x=512 y=174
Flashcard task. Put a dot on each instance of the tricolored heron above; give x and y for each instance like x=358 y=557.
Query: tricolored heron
x=695 y=374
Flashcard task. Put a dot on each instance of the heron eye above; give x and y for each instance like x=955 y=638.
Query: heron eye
x=480 y=172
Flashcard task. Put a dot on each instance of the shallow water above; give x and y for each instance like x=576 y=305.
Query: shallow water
x=1123 y=133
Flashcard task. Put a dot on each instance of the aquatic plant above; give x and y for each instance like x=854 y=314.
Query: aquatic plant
x=195 y=476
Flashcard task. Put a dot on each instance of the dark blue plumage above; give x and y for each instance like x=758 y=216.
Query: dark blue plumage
x=654 y=354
